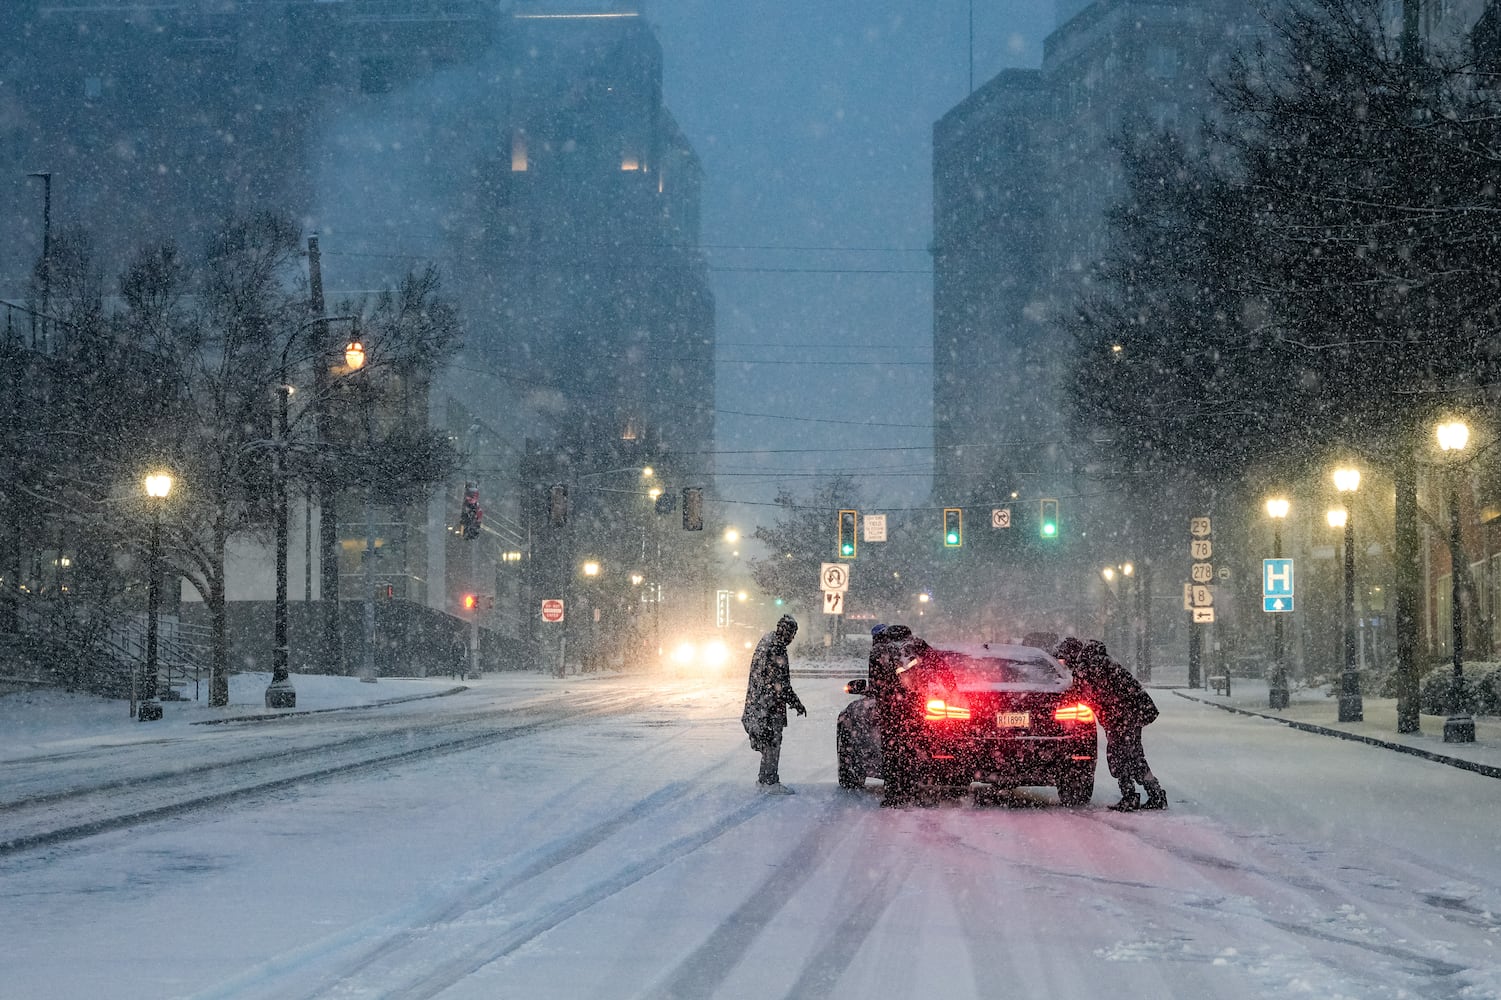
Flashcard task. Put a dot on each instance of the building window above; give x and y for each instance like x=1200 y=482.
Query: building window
x=93 y=88
x=519 y=161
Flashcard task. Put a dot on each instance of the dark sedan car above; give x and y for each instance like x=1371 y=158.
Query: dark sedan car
x=1002 y=715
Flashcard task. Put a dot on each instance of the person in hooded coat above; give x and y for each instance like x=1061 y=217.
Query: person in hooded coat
x=891 y=649
x=768 y=695
x=1124 y=708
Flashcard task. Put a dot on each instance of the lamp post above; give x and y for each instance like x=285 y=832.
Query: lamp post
x=1122 y=599
x=354 y=358
x=1277 y=697
x=158 y=485
x=1351 y=707
x=1459 y=727
x=280 y=693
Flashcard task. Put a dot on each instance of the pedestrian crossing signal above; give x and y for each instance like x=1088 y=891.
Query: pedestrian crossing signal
x=1047 y=523
x=847 y=523
x=953 y=527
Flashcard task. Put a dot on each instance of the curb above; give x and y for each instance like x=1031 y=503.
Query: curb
x=268 y=716
x=1489 y=770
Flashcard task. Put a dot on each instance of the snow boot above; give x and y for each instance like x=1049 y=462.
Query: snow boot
x=1129 y=803
x=1156 y=797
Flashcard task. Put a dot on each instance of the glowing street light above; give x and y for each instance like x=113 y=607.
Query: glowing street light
x=158 y=486
x=1351 y=707
x=1459 y=727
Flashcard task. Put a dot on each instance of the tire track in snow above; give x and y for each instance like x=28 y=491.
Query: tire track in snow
x=709 y=965
x=476 y=957
x=180 y=796
x=381 y=939
x=1319 y=892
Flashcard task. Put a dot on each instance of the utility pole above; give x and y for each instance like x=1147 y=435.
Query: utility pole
x=328 y=521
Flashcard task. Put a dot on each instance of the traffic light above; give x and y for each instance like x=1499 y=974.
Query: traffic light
x=693 y=508
x=557 y=508
x=953 y=527
x=470 y=514
x=848 y=520
x=1047 y=521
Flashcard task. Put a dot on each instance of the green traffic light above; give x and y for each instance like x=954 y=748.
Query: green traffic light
x=848 y=549
x=953 y=538
x=1050 y=529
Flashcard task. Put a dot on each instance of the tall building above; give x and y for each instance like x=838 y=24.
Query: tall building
x=523 y=148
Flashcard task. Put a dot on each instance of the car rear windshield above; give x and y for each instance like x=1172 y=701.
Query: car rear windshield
x=991 y=671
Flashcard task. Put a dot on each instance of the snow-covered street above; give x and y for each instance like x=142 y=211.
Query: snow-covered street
x=603 y=837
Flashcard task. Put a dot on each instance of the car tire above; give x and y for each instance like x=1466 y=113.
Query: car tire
x=1076 y=786
x=850 y=776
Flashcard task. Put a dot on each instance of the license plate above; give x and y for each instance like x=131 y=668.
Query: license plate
x=1013 y=720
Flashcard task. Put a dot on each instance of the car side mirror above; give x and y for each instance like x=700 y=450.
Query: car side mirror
x=856 y=686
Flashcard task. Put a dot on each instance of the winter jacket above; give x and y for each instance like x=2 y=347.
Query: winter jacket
x=768 y=693
x=1117 y=698
x=887 y=657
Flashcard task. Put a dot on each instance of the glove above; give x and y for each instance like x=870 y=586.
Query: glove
x=799 y=709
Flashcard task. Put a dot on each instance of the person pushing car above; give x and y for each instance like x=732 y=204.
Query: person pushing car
x=1124 y=709
x=892 y=648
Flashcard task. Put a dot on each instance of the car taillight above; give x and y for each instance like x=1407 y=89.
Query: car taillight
x=939 y=709
x=1077 y=712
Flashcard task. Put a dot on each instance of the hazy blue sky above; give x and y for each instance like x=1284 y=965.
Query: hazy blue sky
x=814 y=123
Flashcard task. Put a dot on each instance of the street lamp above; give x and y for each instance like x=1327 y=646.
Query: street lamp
x=1459 y=727
x=1122 y=598
x=1277 y=697
x=280 y=693
x=355 y=358
x=158 y=485
x=1351 y=707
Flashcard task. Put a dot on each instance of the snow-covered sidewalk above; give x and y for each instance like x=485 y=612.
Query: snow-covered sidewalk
x=48 y=718
x=1317 y=710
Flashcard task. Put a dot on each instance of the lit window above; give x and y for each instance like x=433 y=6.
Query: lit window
x=629 y=162
x=518 y=152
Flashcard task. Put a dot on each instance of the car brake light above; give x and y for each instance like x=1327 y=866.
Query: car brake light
x=1077 y=712
x=939 y=709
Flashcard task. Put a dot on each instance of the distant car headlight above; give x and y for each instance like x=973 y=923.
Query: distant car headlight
x=684 y=653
